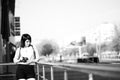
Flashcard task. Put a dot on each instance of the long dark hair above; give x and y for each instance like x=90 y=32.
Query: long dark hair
x=24 y=38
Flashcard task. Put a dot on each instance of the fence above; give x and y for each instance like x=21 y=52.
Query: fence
x=104 y=70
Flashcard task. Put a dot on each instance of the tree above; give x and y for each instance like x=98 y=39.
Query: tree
x=91 y=49
x=47 y=47
x=116 y=39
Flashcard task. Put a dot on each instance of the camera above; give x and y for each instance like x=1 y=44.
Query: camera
x=24 y=59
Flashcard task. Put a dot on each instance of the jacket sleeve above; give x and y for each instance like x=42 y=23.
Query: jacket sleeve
x=17 y=56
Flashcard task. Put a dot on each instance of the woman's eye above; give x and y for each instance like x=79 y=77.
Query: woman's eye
x=27 y=41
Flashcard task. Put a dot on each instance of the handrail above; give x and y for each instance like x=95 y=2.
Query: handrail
x=7 y=64
x=105 y=70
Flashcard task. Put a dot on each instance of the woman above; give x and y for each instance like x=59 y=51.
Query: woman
x=25 y=57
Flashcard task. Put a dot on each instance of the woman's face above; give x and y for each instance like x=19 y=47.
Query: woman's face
x=27 y=43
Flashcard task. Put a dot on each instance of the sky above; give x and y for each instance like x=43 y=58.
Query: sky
x=65 y=20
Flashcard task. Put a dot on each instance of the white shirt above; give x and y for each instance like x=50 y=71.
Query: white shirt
x=26 y=52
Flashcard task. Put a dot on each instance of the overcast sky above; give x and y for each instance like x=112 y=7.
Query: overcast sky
x=65 y=20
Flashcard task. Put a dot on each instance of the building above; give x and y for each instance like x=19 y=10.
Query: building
x=6 y=30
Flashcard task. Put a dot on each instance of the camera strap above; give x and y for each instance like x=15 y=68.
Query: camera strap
x=34 y=52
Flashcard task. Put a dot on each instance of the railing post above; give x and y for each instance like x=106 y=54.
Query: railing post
x=52 y=74
x=38 y=75
x=65 y=75
x=43 y=72
x=90 y=76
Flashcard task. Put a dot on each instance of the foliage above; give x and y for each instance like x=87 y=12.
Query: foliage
x=91 y=49
x=116 y=39
x=47 y=47
x=70 y=51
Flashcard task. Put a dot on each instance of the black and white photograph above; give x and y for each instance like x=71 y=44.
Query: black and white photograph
x=59 y=39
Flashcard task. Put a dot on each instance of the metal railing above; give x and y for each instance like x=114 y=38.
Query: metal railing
x=5 y=74
x=104 y=70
